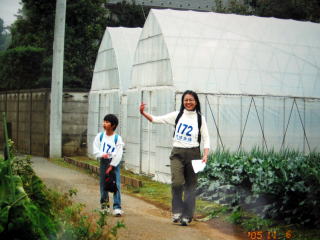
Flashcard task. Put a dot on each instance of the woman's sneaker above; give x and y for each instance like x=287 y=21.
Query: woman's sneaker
x=176 y=217
x=117 y=212
x=185 y=221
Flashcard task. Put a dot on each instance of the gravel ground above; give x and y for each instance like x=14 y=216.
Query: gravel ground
x=143 y=221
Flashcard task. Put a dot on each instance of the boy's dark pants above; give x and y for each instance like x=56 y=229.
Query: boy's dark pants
x=184 y=180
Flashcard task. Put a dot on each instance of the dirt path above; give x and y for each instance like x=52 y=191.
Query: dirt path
x=143 y=221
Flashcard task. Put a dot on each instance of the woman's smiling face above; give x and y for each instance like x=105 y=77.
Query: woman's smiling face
x=189 y=102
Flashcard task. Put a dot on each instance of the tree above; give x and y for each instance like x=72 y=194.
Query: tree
x=34 y=25
x=4 y=36
x=126 y=14
x=233 y=6
x=20 y=68
x=86 y=21
x=303 y=10
x=85 y=25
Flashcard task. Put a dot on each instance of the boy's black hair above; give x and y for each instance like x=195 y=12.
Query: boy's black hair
x=112 y=119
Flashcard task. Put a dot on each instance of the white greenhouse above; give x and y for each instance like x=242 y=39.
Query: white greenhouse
x=258 y=80
x=111 y=78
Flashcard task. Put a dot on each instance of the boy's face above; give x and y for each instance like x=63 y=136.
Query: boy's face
x=107 y=125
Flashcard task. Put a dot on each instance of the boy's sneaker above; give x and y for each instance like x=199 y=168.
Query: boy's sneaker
x=117 y=212
x=185 y=221
x=176 y=217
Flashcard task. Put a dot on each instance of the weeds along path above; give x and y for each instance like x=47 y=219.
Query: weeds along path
x=143 y=221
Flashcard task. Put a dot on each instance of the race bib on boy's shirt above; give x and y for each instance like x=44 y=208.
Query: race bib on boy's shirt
x=108 y=143
x=107 y=148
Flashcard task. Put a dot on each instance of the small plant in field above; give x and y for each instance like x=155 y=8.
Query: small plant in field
x=78 y=224
x=114 y=229
x=217 y=212
x=236 y=216
x=72 y=192
x=257 y=224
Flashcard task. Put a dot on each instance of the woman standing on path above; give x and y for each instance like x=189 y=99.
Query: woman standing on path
x=190 y=128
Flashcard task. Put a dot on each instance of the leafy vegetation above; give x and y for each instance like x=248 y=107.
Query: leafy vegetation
x=282 y=186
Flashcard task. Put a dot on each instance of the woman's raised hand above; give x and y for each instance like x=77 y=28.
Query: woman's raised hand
x=141 y=108
x=143 y=113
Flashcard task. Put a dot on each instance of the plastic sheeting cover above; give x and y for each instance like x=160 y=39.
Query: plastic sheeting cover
x=228 y=54
x=114 y=61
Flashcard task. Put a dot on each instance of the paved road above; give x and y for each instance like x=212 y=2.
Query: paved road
x=143 y=221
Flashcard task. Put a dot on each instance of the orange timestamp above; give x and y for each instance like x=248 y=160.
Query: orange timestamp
x=269 y=235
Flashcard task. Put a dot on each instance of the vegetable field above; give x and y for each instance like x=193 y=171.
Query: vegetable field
x=281 y=186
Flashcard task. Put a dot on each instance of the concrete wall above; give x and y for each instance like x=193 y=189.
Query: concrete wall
x=28 y=116
x=74 y=123
x=28 y=119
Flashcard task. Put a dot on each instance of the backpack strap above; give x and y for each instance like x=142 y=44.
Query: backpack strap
x=116 y=139
x=101 y=136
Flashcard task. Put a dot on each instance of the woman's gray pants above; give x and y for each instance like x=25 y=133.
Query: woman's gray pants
x=184 y=180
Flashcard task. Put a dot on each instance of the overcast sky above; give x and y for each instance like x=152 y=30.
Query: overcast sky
x=9 y=8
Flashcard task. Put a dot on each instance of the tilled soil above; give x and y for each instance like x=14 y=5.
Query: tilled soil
x=143 y=221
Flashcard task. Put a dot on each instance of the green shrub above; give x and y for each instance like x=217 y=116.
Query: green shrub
x=20 y=217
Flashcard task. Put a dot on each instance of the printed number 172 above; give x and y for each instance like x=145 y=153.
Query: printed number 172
x=185 y=126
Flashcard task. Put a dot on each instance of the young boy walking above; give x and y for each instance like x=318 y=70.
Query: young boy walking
x=108 y=148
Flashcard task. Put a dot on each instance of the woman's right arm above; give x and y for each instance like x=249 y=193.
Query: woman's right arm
x=145 y=114
x=166 y=119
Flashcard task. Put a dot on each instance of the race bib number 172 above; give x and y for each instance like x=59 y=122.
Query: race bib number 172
x=184 y=132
